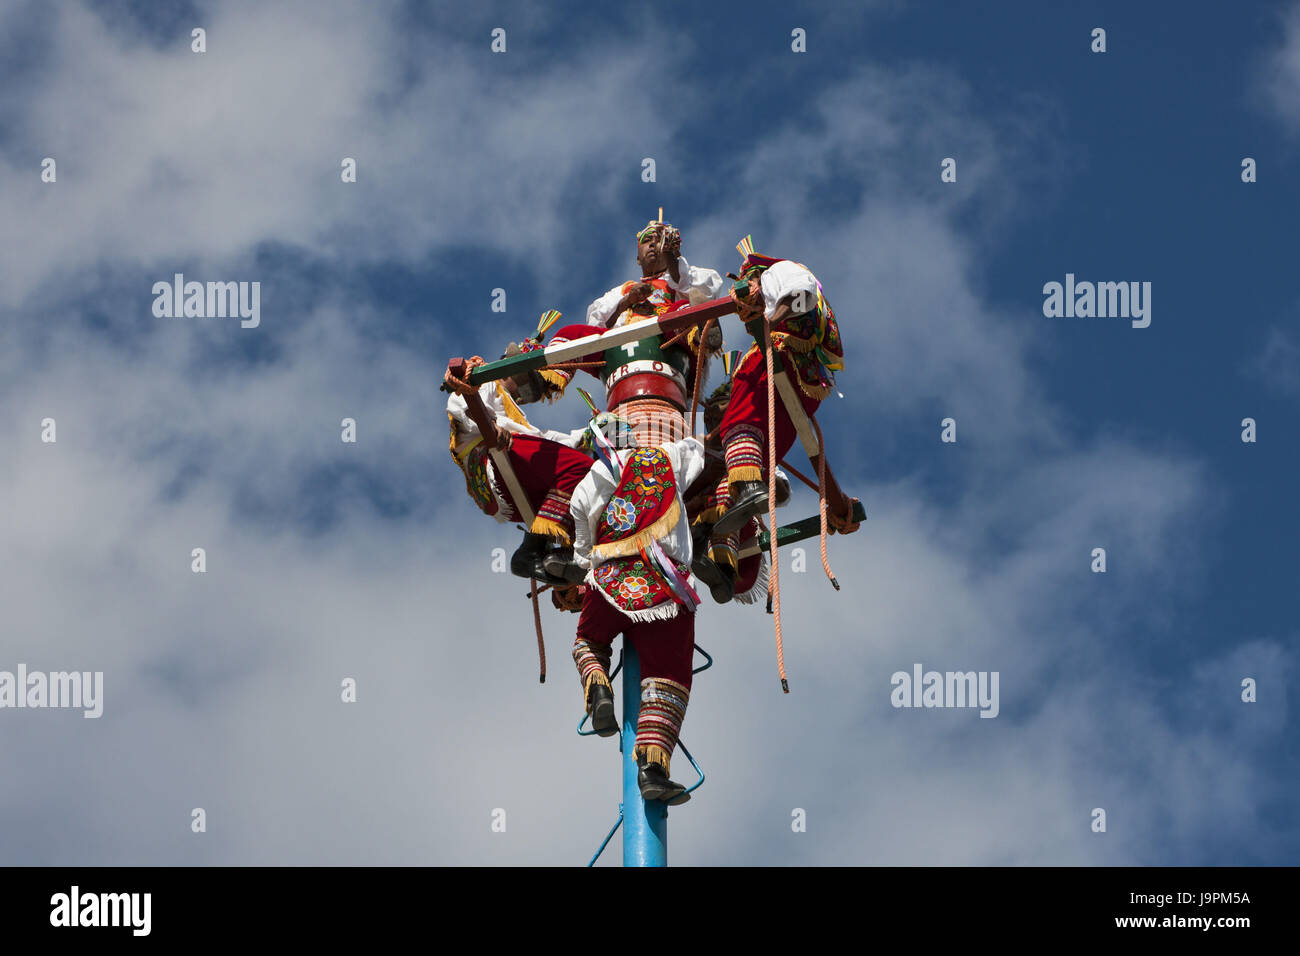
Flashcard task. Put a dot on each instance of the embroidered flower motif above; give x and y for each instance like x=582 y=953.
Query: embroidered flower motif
x=606 y=574
x=633 y=588
x=620 y=514
x=649 y=472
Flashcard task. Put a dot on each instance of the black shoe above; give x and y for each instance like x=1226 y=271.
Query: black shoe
x=529 y=560
x=748 y=498
x=528 y=556
x=700 y=535
x=704 y=567
x=725 y=589
x=600 y=700
x=560 y=564
x=719 y=578
x=655 y=785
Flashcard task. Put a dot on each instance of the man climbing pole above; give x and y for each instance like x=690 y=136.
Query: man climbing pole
x=633 y=534
x=513 y=470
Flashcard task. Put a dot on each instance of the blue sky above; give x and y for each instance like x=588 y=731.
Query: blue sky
x=522 y=171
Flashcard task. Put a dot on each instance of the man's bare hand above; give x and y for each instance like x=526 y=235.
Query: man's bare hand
x=843 y=522
x=457 y=374
x=750 y=307
x=639 y=293
x=671 y=251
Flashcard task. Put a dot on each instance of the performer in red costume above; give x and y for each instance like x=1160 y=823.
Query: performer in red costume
x=806 y=339
x=542 y=466
x=633 y=533
x=648 y=383
x=717 y=562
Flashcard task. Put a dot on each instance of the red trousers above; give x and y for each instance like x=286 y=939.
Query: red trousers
x=544 y=468
x=748 y=405
x=665 y=648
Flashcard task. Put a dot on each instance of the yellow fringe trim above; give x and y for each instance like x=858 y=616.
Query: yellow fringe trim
x=512 y=410
x=744 y=473
x=655 y=754
x=552 y=529
x=781 y=340
x=693 y=343
x=721 y=555
x=785 y=340
x=680 y=688
x=556 y=380
x=710 y=515
x=595 y=677
x=819 y=392
x=633 y=545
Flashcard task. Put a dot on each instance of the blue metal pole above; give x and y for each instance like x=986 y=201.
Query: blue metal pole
x=645 y=827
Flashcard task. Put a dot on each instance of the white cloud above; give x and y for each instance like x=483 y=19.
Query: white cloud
x=165 y=154
x=898 y=261
x=1277 y=364
x=1279 y=76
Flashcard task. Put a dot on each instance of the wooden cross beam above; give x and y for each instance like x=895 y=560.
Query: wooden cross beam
x=799 y=531
x=601 y=341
